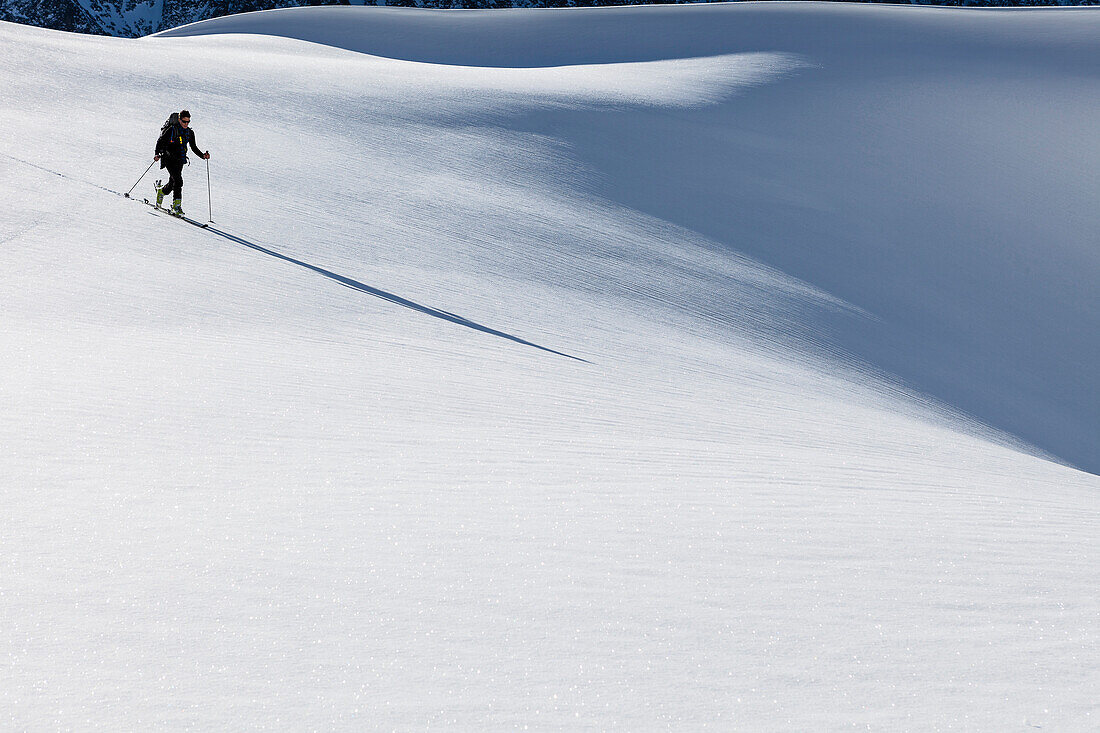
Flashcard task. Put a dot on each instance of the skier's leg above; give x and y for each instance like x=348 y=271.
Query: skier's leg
x=175 y=179
x=175 y=185
x=177 y=188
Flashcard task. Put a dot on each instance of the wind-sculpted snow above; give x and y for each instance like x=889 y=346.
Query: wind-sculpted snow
x=132 y=18
x=885 y=187
x=581 y=36
x=621 y=368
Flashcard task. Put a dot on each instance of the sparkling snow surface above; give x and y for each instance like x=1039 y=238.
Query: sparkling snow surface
x=635 y=368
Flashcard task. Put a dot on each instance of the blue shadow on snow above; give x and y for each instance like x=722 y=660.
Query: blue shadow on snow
x=364 y=288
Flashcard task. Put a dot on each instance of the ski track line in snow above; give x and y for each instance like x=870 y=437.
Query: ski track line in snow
x=336 y=277
x=61 y=175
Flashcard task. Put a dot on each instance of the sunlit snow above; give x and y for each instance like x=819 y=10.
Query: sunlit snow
x=725 y=366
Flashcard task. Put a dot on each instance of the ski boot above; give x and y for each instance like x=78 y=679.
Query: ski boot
x=159 y=185
x=177 y=207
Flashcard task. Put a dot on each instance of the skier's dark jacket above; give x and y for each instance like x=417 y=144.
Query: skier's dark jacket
x=172 y=145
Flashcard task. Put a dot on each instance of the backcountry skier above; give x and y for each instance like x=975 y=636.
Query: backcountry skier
x=171 y=151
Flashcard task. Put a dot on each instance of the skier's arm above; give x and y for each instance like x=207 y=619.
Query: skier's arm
x=196 y=147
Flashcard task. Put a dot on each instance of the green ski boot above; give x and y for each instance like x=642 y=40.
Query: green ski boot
x=177 y=207
x=160 y=193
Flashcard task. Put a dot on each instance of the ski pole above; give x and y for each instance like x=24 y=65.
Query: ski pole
x=209 y=202
x=127 y=194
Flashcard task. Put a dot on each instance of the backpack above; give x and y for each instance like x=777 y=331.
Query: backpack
x=172 y=121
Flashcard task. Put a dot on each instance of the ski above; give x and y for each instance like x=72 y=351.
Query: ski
x=170 y=213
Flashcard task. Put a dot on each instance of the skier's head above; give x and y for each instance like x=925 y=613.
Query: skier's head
x=185 y=117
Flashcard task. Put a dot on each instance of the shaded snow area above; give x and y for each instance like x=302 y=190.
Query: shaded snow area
x=726 y=367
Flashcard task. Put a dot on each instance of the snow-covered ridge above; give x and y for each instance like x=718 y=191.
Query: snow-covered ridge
x=673 y=367
x=578 y=36
x=132 y=18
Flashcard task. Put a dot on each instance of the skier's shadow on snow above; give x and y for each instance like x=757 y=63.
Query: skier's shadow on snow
x=364 y=288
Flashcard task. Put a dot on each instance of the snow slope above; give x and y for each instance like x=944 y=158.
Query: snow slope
x=664 y=367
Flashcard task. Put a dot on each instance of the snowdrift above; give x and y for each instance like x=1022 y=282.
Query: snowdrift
x=836 y=36
x=725 y=365
x=948 y=206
